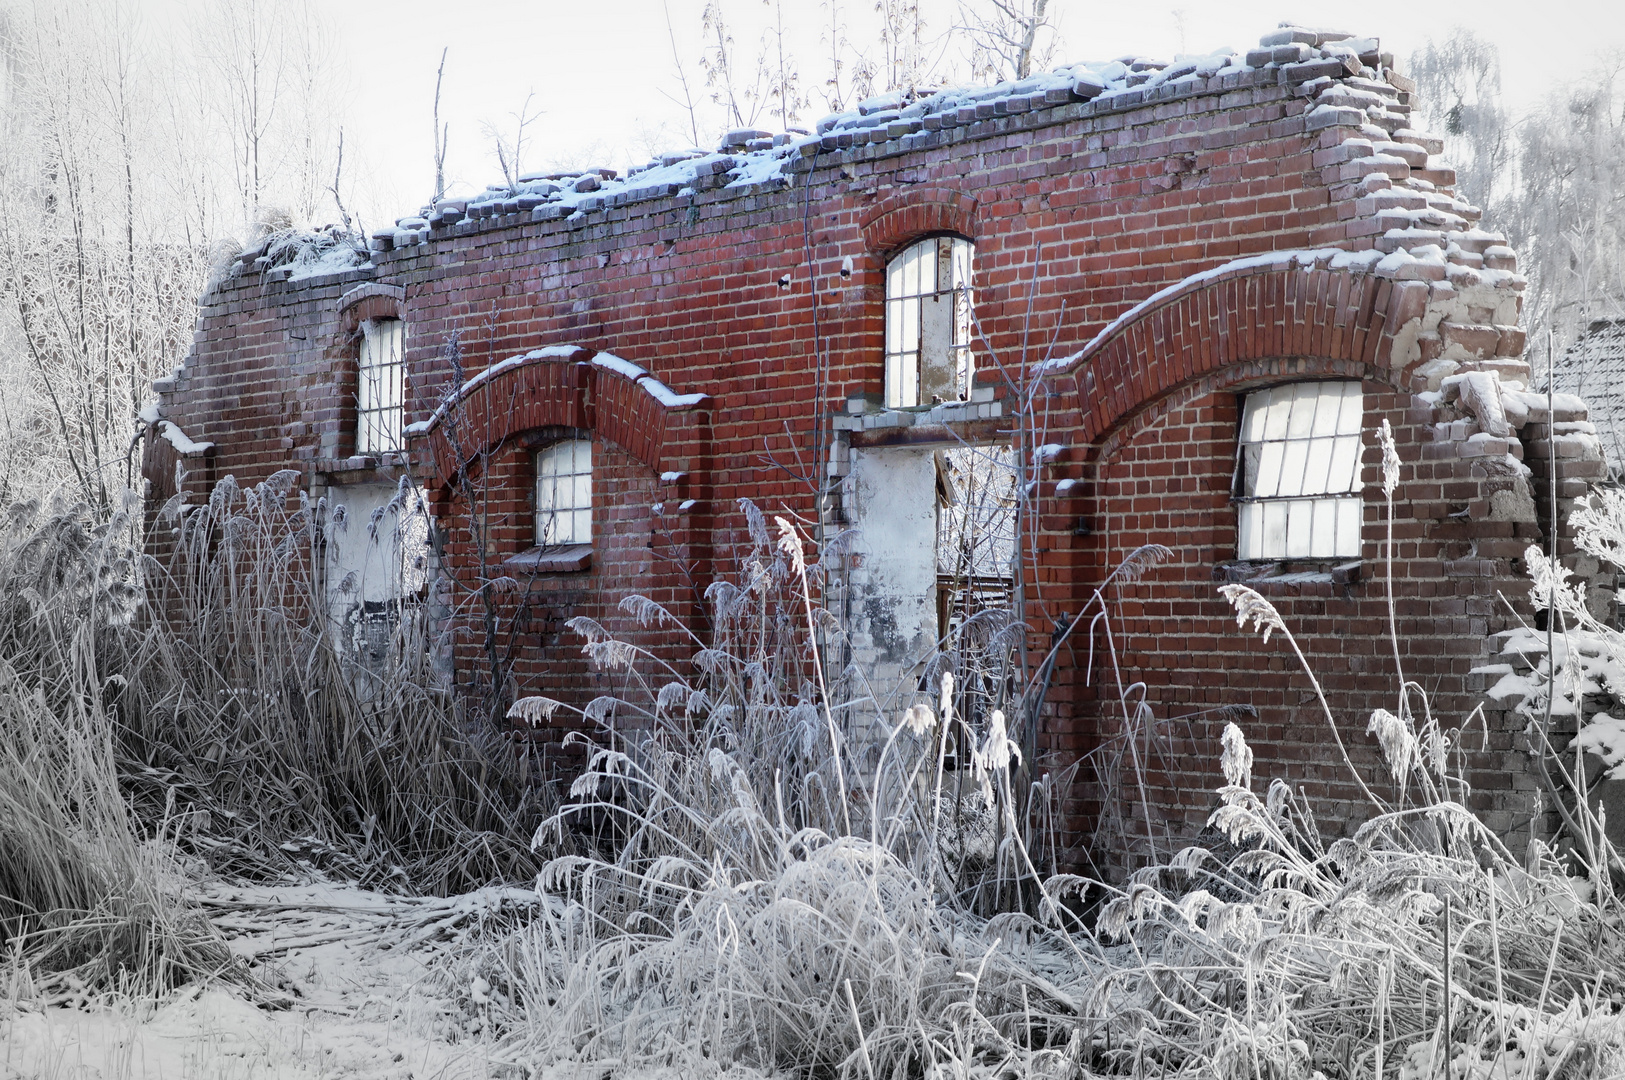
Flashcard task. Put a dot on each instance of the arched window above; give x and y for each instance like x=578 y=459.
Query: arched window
x=928 y=323
x=564 y=493
x=379 y=390
x=1298 y=472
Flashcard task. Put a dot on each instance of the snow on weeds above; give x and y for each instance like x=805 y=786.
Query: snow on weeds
x=91 y=903
x=761 y=874
x=731 y=916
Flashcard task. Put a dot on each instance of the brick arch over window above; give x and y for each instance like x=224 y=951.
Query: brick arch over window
x=370 y=301
x=569 y=387
x=1238 y=376
x=914 y=213
x=1228 y=325
x=343 y=352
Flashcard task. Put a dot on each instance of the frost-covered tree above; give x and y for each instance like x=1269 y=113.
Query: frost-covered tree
x=1009 y=39
x=96 y=289
x=1458 y=83
x=1568 y=217
x=119 y=203
x=1552 y=178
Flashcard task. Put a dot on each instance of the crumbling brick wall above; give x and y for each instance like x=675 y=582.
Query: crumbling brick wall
x=763 y=289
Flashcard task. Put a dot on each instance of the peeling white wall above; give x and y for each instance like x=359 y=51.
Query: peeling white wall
x=375 y=563
x=890 y=495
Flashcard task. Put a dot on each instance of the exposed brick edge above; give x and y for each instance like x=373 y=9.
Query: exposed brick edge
x=369 y=301
x=917 y=212
x=548 y=391
x=1233 y=317
x=369 y=290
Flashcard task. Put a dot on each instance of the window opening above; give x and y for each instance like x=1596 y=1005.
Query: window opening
x=564 y=493
x=976 y=546
x=1298 y=472
x=928 y=323
x=380 y=391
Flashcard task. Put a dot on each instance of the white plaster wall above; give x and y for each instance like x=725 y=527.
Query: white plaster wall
x=376 y=564
x=890 y=495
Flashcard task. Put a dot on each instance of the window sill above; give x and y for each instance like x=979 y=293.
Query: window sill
x=569 y=558
x=1286 y=572
x=359 y=463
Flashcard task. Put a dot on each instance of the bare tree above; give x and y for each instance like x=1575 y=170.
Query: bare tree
x=314 y=86
x=1008 y=38
x=247 y=56
x=785 y=78
x=741 y=102
x=687 y=103
x=510 y=151
x=442 y=133
x=834 y=38
x=902 y=44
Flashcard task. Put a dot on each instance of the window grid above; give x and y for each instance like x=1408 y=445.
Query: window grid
x=1298 y=482
x=928 y=299
x=381 y=385
x=564 y=493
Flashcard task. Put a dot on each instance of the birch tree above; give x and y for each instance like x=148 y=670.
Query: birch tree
x=1009 y=39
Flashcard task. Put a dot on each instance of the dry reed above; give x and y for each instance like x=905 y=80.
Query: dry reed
x=249 y=707
x=90 y=900
x=743 y=908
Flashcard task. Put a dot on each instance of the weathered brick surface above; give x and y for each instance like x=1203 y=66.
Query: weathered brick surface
x=1080 y=210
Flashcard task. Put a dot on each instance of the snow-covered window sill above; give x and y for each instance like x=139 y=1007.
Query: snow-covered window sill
x=1267 y=573
x=550 y=560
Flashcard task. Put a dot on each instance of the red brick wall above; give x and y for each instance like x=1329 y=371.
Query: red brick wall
x=1171 y=484
x=1079 y=211
x=535 y=653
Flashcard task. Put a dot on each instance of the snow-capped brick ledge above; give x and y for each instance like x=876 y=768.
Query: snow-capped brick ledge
x=750 y=162
x=559 y=386
x=183 y=444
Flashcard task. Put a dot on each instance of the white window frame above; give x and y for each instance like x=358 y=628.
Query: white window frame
x=1297 y=480
x=564 y=493
x=380 y=386
x=928 y=322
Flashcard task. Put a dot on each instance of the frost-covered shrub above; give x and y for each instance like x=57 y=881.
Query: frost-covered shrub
x=753 y=911
x=1589 y=652
x=91 y=901
x=245 y=708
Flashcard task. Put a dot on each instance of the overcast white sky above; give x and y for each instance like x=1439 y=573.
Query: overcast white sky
x=601 y=71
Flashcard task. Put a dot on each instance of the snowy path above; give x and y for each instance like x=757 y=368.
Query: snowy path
x=369 y=989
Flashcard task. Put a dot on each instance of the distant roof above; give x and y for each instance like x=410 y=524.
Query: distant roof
x=1594 y=368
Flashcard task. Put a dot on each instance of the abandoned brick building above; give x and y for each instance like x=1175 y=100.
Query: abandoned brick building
x=1187 y=295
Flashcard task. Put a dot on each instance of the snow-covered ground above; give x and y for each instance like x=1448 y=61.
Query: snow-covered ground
x=363 y=987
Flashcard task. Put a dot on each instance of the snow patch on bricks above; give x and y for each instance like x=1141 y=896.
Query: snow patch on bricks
x=183 y=444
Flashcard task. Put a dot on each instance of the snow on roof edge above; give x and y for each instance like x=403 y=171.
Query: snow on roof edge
x=1331 y=258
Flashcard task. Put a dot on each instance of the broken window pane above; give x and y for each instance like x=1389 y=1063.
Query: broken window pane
x=564 y=493
x=1298 y=472
x=379 y=392
x=928 y=323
